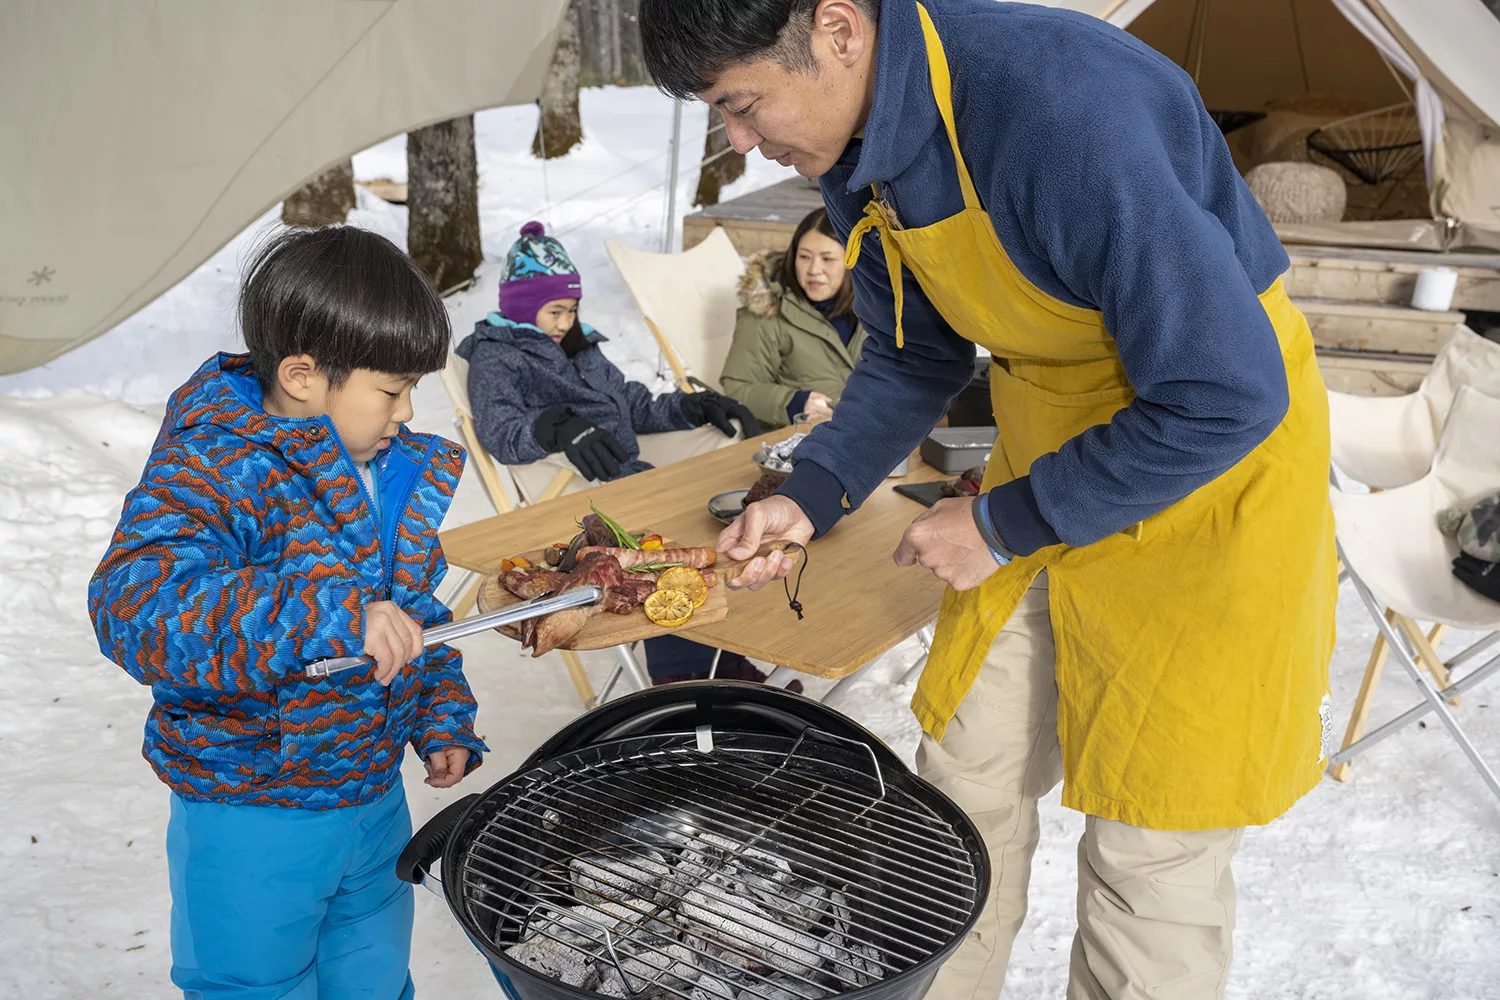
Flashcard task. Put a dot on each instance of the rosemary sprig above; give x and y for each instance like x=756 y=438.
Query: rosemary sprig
x=655 y=567
x=625 y=538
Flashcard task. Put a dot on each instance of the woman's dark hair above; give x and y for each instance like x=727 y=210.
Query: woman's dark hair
x=346 y=297
x=816 y=221
x=688 y=43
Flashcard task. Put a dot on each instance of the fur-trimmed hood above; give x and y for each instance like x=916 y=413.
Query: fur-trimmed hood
x=760 y=291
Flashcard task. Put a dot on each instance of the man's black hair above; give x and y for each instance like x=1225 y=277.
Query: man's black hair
x=346 y=297
x=688 y=43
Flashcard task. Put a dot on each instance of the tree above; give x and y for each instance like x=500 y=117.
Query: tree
x=558 y=128
x=326 y=200
x=442 y=200
x=721 y=164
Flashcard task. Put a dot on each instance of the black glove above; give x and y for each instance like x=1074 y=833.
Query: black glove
x=593 y=450
x=1480 y=576
x=711 y=408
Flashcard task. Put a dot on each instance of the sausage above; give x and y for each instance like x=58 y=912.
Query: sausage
x=698 y=558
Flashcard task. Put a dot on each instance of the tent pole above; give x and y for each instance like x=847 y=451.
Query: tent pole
x=671 y=221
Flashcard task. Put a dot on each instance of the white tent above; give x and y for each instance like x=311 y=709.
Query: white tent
x=139 y=136
x=1441 y=56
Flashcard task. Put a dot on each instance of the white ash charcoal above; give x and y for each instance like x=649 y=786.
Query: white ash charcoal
x=551 y=959
x=745 y=927
x=778 y=988
x=648 y=971
x=618 y=879
x=800 y=903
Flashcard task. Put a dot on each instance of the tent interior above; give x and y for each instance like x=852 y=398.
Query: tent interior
x=1409 y=129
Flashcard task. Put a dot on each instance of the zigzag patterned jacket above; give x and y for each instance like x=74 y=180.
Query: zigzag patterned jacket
x=250 y=549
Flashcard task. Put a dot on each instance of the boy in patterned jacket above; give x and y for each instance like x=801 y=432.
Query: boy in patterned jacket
x=285 y=515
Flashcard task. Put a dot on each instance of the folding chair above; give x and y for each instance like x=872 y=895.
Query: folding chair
x=1399 y=563
x=1385 y=441
x=689 y=301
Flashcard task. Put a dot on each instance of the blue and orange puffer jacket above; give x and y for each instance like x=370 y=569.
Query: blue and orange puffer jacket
x=250 y=549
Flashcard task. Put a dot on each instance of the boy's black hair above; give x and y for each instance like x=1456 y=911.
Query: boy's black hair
x=345 y=296
x=688 y=43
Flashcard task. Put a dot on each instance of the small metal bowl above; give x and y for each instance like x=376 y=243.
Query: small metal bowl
x=725 y=507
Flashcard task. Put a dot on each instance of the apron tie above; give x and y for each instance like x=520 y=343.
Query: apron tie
x=874 y=219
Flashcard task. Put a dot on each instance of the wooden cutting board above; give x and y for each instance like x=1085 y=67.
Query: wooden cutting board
x=606 y=629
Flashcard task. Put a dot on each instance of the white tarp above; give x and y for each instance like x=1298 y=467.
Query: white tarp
x=139 y=136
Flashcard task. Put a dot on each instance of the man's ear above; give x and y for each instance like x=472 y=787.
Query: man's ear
x=847 y=33
x=298 y=377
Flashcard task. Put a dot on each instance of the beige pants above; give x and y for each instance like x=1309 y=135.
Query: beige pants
x=1155 y=908
x=658 y=449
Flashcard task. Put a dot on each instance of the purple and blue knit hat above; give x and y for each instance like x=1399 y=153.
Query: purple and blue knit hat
x=537 y=271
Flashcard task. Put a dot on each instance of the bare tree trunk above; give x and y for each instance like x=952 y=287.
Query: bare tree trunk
x=558 y=128
x=443 y=201
x=326 y=200
x=722 y=165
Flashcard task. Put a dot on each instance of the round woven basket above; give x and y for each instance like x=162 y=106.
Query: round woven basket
x=1298 y=192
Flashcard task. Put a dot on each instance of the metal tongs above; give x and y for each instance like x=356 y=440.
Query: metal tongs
x=579 y=597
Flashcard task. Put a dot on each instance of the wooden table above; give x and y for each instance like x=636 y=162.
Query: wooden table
x=858 y=603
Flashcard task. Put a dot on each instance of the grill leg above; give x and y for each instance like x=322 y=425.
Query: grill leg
x=632 y=666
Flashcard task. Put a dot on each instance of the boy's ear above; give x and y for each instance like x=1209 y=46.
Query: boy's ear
x=297 y=376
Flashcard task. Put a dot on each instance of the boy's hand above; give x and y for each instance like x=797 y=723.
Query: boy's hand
x=446 y=767
x=392 y=638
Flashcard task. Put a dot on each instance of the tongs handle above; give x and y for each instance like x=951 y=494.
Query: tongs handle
x=579 y=597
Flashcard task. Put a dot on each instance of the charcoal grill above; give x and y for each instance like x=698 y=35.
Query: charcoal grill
x=706 y=841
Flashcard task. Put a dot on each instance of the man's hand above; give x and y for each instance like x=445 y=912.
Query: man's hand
x=773 y=519
x=392 y=638
x=446 y=767
x=946 y=541
x=818 y=406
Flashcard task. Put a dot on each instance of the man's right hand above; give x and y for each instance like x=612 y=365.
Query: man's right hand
x=774 y=519
x=392 y=638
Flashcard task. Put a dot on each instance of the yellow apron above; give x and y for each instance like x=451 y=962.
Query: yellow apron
x=1193 y=649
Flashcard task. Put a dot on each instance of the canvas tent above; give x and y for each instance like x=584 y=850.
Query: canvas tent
x=1441 y=56
x=141 y=135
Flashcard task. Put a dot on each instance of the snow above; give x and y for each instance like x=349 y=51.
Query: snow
x=1385 y=887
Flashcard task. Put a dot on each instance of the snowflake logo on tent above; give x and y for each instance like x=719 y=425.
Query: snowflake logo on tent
x=40 y=276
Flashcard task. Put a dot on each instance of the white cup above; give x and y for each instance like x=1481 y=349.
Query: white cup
x=1435 y=288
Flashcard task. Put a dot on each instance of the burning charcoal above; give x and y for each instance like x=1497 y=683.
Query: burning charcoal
x=745 y=926
x=648 y=972
x=799 y=902
x=618 y=878
x=551 y=959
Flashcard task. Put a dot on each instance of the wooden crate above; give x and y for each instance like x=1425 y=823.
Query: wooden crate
x=1367 y=373
x=1354 y=274
x=760 y=220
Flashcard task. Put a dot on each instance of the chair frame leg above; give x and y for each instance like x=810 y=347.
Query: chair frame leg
x=1373 y=669
x=1423 y=680
x=579 y=677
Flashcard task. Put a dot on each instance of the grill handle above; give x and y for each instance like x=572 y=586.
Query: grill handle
x=422 y=850
x=834 y=738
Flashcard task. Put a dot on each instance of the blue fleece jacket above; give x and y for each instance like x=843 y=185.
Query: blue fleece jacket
x=516 y=372
x=1111 y=188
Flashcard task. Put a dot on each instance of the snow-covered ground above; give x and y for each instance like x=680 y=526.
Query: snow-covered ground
x=1385 y=887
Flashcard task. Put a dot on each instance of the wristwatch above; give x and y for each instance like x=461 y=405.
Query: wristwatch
x=981 y=509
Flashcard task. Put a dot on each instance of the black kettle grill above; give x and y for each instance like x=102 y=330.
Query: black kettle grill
x=708 y=841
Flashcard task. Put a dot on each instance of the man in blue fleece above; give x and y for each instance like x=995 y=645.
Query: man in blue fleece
x=1141 y=599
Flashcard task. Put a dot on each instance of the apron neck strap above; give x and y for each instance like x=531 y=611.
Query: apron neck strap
x=942 y=92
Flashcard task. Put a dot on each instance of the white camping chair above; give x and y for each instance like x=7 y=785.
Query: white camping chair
x=1385 y=441
x=456 y=383
x=689 y=300
x=1399 y=562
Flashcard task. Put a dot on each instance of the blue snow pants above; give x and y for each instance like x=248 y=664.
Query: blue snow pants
x=290 y=904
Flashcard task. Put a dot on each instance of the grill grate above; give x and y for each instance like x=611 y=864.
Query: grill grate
x=675 y=866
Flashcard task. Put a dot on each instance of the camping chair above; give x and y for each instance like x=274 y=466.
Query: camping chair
x=456 y=383
x=1385 y=441
x=1399 y=563
x=689 y=301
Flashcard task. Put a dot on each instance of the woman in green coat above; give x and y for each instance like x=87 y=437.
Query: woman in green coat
x=796 y=338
